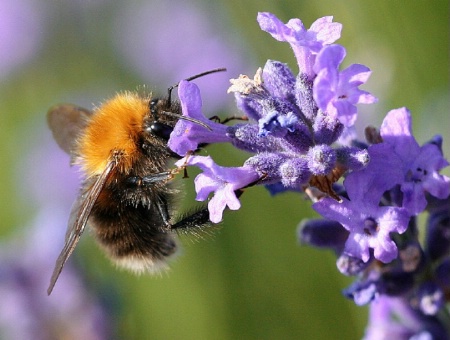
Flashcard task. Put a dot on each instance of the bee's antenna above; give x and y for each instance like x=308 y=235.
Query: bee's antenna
x=169 y=96
x=189 y=119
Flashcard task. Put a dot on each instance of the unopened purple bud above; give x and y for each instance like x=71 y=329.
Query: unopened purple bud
x=304 y=96
x=251 y=107
x=299 y=140
x=245 y=137
x=267 y=166
x=350 y=266
x=327 y=129
x=322 y=233
x=321 y=159
x=294 y=172
x=279 y=80
x=352 y=158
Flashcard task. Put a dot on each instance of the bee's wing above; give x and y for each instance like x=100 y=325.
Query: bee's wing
x=78 y=219
x=66 y=122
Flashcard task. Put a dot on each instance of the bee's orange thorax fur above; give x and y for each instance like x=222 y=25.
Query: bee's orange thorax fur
x=114 y=128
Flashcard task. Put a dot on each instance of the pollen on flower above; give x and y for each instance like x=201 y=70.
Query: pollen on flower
x=245 y=85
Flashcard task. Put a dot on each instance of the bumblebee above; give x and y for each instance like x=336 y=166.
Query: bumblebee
x=127 y=196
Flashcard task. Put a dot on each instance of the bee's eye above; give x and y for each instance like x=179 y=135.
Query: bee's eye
x=160 y=130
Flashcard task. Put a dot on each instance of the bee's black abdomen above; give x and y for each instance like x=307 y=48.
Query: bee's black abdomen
x=133 y=232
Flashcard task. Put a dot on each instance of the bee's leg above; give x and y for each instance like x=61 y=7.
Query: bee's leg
x=196 y=219
x=161 y=204
x=153 y=178
x=136 y=181
x=161 y=201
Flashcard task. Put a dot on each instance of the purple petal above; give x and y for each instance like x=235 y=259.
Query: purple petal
x=396 y=130
x=413 y=198
x=336 y=92
x=335 y=211
x=189 y=94
x=305 y=43
x=223 y=197
x=384 y=248
x=186 y=135
x=392 y=219
x=355 y=74
x=329 y=58
x=346 y=112
x=438 y=185
x=274 y=26
x=327 y=31
x=362 y=97
x=369 y=224
x=222 y=181
x=357 y=245
x=382 y=173
x=323 y=93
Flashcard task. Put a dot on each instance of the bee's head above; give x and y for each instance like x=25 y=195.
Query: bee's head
x=162 y=117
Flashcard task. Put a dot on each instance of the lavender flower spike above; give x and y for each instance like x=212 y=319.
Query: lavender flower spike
x=222 y=181
x=421 y=164
x=186 y=136
x=337 y=93
x=305 y=43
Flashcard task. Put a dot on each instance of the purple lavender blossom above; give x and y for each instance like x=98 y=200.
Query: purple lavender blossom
x=305 y=43
x=186 y=135
x=222 y=181
x=420 y=165
x=369 y=225
x=337 y=93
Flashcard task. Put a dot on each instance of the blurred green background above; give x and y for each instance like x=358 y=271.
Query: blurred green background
x=251 y=280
